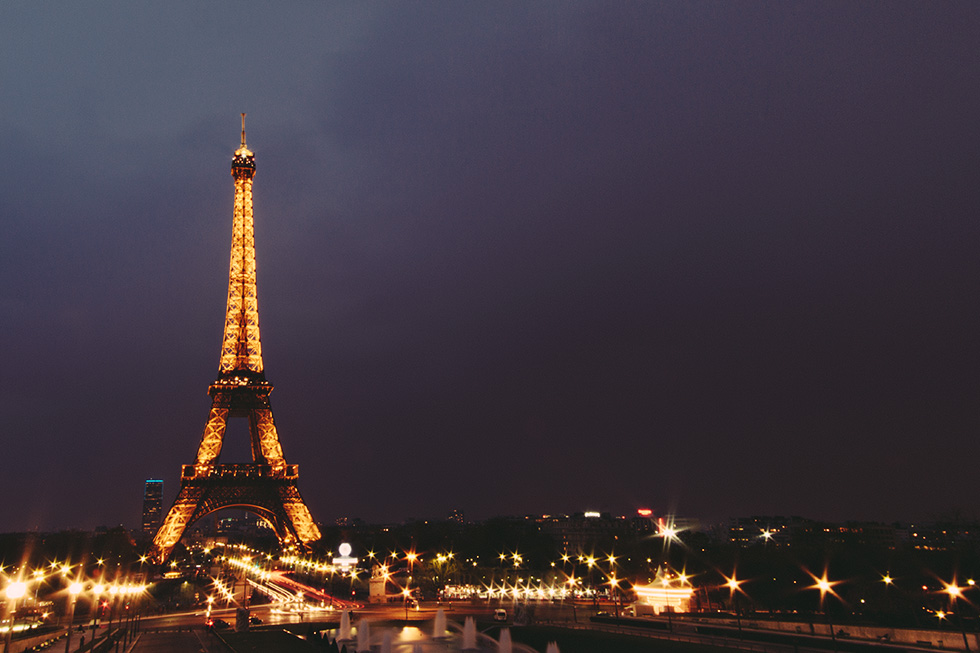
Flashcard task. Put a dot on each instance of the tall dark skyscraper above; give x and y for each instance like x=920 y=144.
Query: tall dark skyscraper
x=152 y=505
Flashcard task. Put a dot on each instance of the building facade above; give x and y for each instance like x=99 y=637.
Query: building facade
x=152 y=505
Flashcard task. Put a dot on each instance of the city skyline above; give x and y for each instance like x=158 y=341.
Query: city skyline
x=714 y=260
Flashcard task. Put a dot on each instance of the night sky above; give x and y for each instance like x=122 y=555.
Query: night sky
x=710 y=258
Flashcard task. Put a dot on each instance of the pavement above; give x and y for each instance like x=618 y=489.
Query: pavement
x=187 y=640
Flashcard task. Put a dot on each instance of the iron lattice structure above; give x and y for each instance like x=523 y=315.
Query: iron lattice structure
x=267 y=486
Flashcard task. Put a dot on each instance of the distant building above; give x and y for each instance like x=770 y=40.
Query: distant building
x=869 y=534
x=152 y=505
x=768 y=531
x=942 y=535
x=456 y=516
x=245 y=522
x=583 y=531
x=796 y=531
x=349 y=522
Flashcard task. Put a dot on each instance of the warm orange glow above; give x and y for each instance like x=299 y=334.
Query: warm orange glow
x=16 y=590
x=663 y=596
x=733 y=584
x=825 y=586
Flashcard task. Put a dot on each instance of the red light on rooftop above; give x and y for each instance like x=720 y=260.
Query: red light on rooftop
x=644 y=512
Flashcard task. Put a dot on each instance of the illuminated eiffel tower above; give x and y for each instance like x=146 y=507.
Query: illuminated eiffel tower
x=267 y=485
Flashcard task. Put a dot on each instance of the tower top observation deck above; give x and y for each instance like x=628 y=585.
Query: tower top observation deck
x=243 y=164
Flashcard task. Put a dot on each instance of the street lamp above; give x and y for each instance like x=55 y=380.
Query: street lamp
x=14 y=591
x=733 y=587
x=74 y=590
x=665 y=583
x=613 y=588
x=826 y=587
x=38 y=577
x=956 y=592
x=97 y=590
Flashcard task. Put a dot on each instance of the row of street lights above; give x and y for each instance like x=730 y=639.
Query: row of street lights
x=16 y=590
x=826 y=586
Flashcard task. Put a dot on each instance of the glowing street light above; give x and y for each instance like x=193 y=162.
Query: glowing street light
x=614 y=588
x=14 y=591
x=955 y=592
x=733 y=587
x=74 y=590
x=97 y=590
x=826 y=587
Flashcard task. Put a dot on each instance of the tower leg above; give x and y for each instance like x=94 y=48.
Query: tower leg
x=176 y=522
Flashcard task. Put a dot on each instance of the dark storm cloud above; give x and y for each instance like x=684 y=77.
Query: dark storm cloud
x=513 y=258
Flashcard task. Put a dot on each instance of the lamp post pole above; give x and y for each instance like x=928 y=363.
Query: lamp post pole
x=826 y=586
x=14 y=591
x=96 y=602
x=956 y=592
x=733 y=590
x=74 y=589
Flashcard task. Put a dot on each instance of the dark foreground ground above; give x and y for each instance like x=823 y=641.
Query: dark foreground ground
x=279 y=640
x=588 y=641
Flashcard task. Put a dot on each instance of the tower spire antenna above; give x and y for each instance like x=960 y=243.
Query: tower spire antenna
x=243 y=131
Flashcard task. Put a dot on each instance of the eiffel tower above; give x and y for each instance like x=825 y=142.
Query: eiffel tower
x=267 y=485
